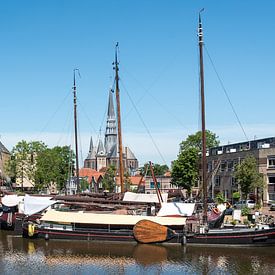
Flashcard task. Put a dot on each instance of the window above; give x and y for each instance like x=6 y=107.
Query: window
x=271 y=187
x=152 y=185
x=271 y=162
x=217 y=181
x=223 y=166
x=230 y=166
x=209 y=166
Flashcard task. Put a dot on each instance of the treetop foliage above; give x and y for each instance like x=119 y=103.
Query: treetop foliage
x=195 y=141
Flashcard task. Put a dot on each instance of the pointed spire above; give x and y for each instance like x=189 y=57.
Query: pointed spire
x=100 y=147
x=111 y=110
x=91 y=145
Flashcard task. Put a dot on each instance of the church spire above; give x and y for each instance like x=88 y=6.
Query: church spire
x=111 y=110
x=111 y=131
x=91 y=145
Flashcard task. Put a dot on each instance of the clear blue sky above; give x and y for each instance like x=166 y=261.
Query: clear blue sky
x=43 y=41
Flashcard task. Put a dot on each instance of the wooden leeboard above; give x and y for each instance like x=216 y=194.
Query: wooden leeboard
x=146 y=231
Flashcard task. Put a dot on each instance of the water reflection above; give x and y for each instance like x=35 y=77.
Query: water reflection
x=22 y=256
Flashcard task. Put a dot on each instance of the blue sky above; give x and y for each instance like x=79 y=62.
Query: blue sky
x=43 y=41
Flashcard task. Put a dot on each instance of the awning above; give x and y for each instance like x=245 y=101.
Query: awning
x=11 y=200
x=95 y=218
x=153 y=198
x=34 y=205
x=176 y=209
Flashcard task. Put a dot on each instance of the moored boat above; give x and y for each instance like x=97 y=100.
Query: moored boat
x=95 y=226
x=259 y=235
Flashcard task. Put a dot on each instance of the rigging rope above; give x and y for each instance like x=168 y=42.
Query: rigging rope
x=145 y=126
x=53 y=115
x=225 y=92
x=146 y=91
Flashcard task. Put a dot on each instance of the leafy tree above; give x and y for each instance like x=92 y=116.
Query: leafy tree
x=159 y=170
x=219 y=198
x=185 y=169
x=248 y=176
x=108 y=181
x=53 y=166
x=236 y=195
x=127 y=181
x=23 y=159
x=84 y=184
x=195 y=141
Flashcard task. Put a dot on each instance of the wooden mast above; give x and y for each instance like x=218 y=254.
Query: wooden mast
x=121 y=170
x=156 y=183
x=75 y=136
x=204 y=179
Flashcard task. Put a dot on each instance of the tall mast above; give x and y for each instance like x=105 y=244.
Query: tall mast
x=75 y=135
x=121 y=170
x=204 y=183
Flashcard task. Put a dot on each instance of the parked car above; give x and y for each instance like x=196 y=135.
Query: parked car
x=244 y=203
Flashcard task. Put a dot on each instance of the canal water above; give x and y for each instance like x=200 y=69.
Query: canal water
x=23 y=256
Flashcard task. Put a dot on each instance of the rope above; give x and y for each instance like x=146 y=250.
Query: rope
x=153 y=97
x=226 y=94
x=53 y=115
x=146 y=128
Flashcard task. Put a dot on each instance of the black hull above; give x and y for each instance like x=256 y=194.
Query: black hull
x=262 y=237
x=124 y=236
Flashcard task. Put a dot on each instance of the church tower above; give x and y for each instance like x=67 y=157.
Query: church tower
x=111 y=131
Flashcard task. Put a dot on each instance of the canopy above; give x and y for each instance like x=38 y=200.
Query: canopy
x=176 y=209
x=96 y=218
x=34 y=204
x=11 y=200
x=153 y=198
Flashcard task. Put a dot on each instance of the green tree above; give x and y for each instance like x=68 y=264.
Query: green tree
x=159 y=170
x=195 y=141
x=108 y=181
x=22 y=163
x=185 y=170
x=127 y=181
x=84 y=184
x=248 y=176
x=54 y=166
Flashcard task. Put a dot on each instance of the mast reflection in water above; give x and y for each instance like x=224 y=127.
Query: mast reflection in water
x=23 y=256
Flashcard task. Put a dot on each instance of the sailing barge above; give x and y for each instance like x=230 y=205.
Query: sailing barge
x=104 y=227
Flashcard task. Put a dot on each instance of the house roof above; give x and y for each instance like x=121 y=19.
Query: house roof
x=3 y=149
x=90 y=174
x=134 y=180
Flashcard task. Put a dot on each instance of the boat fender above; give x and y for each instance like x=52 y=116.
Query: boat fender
x=47 y=237
x=1 y=213
x=216 y=210
x=30 y=229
